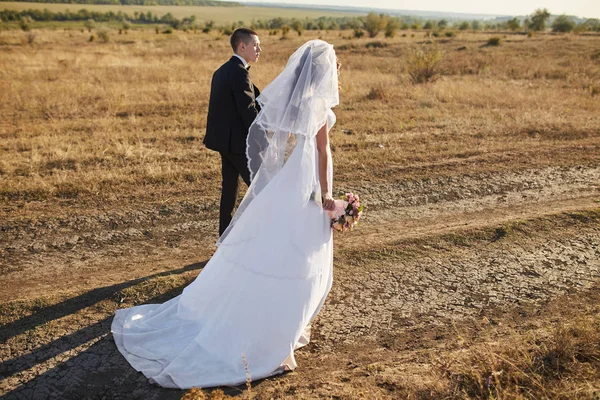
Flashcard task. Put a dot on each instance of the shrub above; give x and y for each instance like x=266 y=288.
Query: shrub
x=344 y=47
x=103 y=35
x=168 y=31
x=376 y=45
x=24 y=23
x=450 y=34
x=377 y=92
x=493 y=41
x=391 y=27
x=297 y=26
x=30 y=38
x=563 y=24
x=358 y=33
x=423 y=64
x=89 y=24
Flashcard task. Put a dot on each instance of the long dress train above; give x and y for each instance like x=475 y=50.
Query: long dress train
x=251 y=305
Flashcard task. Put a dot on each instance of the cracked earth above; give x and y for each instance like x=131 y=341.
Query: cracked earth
x=428 y=252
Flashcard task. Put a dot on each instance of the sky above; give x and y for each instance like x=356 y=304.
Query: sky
x=580 y=8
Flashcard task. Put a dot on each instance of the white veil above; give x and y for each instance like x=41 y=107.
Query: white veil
x=293 y=108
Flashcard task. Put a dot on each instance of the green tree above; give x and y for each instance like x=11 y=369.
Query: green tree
x=297 y=26
x=464 y=26
x=374 y=23
x=428 y=25
x=563 y=24
x=593 y=23
x=513 y=24
x=390 y=28
x=476 y=25
x=539 y=19
x=442 y=24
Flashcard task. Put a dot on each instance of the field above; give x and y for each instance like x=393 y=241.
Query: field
x=220 y=15
x=475 y=273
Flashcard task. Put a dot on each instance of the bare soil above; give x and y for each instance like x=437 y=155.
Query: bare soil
x=430 y=254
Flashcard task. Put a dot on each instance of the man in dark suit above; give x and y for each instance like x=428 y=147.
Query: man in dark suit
x=231 y=110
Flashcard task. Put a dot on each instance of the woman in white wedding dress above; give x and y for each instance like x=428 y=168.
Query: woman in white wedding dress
x=252 y=304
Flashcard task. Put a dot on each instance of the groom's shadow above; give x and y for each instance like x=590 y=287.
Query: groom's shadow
x=92 y=373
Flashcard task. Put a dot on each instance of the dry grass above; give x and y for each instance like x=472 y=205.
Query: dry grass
x=125 y=118
x=561 y=361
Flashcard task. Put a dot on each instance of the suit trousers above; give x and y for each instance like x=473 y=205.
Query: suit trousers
x=232 y=167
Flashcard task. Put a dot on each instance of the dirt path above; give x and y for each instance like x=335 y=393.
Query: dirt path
x=429 y=252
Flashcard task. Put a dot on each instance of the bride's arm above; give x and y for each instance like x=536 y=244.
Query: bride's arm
x=324 y=153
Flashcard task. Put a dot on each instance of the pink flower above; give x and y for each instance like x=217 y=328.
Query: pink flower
x=346 y=213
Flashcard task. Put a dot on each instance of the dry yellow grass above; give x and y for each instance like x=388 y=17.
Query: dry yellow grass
x=126 y=118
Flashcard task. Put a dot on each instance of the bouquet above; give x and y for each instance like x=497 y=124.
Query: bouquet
x=347 y=212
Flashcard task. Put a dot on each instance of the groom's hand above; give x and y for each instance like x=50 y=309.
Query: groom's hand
x=328 y=202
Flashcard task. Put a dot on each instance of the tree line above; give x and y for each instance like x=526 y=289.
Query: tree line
x=85 y=15
x=374 y=23
x=201 y=3
x=371 y=24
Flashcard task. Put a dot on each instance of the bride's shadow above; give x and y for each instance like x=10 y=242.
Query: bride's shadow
x=97 y=372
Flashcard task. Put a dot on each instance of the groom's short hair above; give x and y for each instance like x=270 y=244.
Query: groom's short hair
x=240 y=35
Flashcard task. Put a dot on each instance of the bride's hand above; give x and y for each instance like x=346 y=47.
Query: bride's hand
x=328 y=202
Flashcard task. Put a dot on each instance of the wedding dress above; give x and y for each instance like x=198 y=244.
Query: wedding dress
x=253 y=302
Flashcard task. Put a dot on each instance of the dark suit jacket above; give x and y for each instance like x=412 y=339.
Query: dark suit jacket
x=231 y=108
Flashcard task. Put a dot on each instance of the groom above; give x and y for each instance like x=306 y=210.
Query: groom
x=231 y=110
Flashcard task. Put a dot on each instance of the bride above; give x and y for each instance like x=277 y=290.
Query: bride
x=252 y=304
